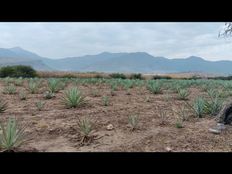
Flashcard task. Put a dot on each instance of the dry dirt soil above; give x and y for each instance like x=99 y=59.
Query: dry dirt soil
x=55 y=128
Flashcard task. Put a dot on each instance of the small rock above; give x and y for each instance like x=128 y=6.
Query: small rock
x=221 y=126
x=215 y=131
x=168 y=149
x=109 y=127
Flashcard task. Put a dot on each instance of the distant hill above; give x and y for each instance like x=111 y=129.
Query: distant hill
x=19 y=56
x=137 y=62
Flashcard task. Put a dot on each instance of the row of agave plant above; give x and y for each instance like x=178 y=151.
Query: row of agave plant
x=12 y=135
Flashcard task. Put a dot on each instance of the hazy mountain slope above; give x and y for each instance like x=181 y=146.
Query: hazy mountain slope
x=19 y=56
x=130 y=62
x=114 y=62
x=81 y=63
x=36 y=64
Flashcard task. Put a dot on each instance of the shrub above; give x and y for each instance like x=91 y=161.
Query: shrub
x=136 y=76
x=156 y=77
x=73 y=98
x=98 y=76
x=17 y=71
x=133 y=121
x=118 y=75
x=12 y=135
x=69 y=76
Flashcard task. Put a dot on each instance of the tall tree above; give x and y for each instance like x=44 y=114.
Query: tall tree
x=227 y=30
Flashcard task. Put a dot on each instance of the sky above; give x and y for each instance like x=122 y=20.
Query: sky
x=71 y=39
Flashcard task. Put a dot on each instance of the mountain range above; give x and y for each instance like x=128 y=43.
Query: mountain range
x=136 y=62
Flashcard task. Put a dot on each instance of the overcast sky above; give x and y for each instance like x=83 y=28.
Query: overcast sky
x=171 y=40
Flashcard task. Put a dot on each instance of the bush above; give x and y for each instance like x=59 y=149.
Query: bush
x=98 y=76
x=17 y=71
x=118 y=76
x=160 y=77
x=69 y=76
x=136 y=76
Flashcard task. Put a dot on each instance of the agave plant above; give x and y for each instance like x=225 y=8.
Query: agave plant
x=105 y=100
x=11 y=89
x=12 y=135
x=95 y=93
x=19 y=81
x=133 y=121
x=22 y=95
x=155 y=87
x=40 y=105
x=213 y=106
x=85 y=128
x=33 y=86
x=53 y=85
x=199 y=107
x=163 y=117
x=183 y=94
x=73 y=98
x=179 y=122
x=182 y=113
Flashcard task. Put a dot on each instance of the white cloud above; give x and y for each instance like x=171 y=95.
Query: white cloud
x=172 y=40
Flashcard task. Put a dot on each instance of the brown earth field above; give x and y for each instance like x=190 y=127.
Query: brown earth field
x=55 y=128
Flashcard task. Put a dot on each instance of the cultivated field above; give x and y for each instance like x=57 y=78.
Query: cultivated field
x=114 y=115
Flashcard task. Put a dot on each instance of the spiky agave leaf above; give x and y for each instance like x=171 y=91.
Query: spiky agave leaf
x=13 y=135
x=73 y=98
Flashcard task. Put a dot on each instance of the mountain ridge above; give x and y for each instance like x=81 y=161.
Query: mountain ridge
x=125 y=62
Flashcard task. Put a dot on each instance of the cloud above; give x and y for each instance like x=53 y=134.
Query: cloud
x=172 y=40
